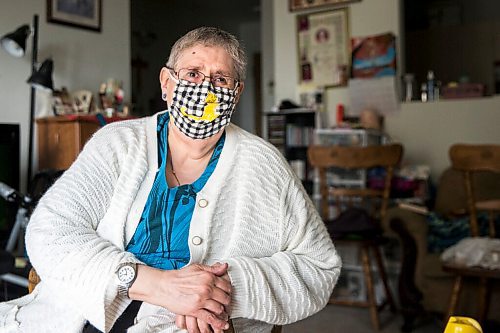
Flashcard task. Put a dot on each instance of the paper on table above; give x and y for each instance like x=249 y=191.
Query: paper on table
x=379 y=94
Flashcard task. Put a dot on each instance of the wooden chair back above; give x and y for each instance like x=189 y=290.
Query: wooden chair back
x=354 y=157
x=469 y=159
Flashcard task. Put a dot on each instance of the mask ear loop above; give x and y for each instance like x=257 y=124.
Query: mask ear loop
x=164 y=95
x=171 y=76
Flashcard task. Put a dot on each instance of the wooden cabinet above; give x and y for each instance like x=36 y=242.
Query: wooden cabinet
x=60 y=140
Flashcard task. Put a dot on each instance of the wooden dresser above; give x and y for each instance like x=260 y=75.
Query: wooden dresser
x=60 y=139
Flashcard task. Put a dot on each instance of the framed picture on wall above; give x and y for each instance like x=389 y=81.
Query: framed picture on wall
x=85 y=14
x=307 y=4
x=323 y=42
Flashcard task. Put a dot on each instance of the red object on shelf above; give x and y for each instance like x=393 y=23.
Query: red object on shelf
x=93 y=118
x=340 y=113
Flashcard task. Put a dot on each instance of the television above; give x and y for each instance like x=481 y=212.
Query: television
x=9 y=174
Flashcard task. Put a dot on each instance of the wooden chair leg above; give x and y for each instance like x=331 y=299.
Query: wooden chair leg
x=484 y=299
x=455 y=294
x=491 y=224
x=370 y=290
x=383 y=276
x=276 y=329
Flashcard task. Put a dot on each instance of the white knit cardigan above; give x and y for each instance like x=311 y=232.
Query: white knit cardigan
x=282 y=263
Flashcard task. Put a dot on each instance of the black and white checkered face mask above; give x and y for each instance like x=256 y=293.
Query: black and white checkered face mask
x=200 y=111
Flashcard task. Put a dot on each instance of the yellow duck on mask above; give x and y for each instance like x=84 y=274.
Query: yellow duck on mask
x=209 y=111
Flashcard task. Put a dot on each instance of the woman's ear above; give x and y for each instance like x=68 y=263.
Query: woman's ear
x=164 y=78
x=164 y=82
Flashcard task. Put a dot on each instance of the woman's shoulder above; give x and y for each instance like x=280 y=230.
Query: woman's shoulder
x=127 y=130
x=247 y=140
x=259 y=153
x=121 y=136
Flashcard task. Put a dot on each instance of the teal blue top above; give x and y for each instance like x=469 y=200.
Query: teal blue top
x=161 y=237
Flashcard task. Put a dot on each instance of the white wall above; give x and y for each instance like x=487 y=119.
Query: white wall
x=425 y=129
x=365 y=18
x=82 y=58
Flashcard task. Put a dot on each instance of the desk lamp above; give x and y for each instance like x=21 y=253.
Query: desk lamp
x=41 y=77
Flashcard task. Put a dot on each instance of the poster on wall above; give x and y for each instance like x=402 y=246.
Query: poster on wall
x=374 y=56
x=323 y=46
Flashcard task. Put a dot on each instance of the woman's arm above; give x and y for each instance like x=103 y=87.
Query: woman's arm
x=63 y=245
x=295 y=282
x=74 y=259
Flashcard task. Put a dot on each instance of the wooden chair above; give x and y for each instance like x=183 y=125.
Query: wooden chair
x=34 y=279
x=470 y=159
x=386 y=156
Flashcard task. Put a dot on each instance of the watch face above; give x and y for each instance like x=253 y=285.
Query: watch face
x=126 y=274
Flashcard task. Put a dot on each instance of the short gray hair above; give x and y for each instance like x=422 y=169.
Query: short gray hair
x=209 y=36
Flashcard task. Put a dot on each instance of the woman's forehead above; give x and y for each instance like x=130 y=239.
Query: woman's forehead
x=201 y=56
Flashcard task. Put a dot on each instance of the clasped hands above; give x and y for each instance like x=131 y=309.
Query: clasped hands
x=217 y=295
x=199 y=294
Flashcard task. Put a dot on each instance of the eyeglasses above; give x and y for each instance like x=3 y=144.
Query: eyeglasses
x=197 y=77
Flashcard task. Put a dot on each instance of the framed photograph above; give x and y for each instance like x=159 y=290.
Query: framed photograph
x=323 y=43
x=85 y=14
x=308 y=4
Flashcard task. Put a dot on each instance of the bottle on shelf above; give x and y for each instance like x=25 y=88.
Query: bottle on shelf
x=430 y=85
x=423 y=92
x=409 y=80
x=437 y=90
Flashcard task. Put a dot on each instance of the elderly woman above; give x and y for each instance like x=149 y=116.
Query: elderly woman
x=177 y=221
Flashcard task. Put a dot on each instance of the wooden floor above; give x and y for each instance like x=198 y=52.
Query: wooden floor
x=343 y=319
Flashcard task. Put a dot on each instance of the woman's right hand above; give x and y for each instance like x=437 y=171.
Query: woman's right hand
x=196 y=290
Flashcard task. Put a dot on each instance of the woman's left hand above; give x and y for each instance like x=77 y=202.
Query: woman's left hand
x=194 y=325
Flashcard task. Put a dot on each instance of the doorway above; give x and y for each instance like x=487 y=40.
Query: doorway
x=157 y=24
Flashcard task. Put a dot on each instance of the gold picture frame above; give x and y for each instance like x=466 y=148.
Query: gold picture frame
x=323 y=42
x=309 y=4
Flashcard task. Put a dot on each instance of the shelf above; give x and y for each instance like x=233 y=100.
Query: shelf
x=289 y=112
x=292 y=131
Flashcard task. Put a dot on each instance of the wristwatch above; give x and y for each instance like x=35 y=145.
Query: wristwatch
x=126 y=274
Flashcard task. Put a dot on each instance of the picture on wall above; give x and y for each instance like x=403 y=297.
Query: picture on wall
x=308 y=4
x=374 y=56
x=85 y=14
x=323 y=46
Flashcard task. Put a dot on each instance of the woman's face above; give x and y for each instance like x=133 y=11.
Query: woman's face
x=206 y=59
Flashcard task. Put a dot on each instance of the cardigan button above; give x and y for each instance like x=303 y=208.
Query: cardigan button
x=203 y=203
x=196 y=240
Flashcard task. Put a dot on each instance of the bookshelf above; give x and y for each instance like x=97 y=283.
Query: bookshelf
x=292 y=131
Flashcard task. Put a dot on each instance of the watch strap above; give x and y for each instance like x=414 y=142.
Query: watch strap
x=123 y=291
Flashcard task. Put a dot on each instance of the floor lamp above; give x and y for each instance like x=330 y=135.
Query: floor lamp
x=41 y=77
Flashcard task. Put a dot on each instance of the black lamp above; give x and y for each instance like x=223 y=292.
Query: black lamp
x=42 y=78
x=15 y=44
